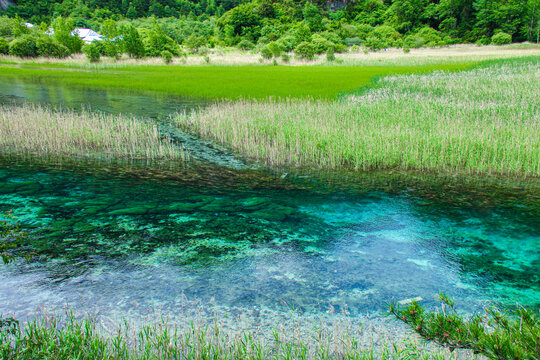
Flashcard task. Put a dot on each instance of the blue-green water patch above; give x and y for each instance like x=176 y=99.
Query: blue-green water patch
x=111 y=242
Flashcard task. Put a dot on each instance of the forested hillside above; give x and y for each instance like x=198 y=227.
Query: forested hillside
x=275 y=26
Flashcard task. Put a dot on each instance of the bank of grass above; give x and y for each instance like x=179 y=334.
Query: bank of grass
x=48 y=338
x=35 y=131
x=484 y=120
x=226 y=82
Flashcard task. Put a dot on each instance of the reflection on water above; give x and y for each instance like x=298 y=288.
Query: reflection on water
x=122 y=244
x=157 y=107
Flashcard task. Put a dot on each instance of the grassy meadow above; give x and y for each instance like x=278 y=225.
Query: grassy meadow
x=484 y=120
x=40 y=132
x=226 y=82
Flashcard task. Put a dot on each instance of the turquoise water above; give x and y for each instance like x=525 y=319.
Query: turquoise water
x=121 y=240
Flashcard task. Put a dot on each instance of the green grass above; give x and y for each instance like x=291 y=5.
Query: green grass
x=48 y=338
x=484 y=120
x=225 y=82
x=35 y=131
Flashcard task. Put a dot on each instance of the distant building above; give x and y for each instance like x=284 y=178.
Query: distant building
x=87 y=35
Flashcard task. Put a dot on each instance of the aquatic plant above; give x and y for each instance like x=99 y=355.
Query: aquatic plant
x=10 y=237
x=52 y=338
x=484 y=120
x=494 y=334
x=36 y=131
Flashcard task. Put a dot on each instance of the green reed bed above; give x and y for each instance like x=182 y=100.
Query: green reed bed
x=49 y=338
x=37 y=131
x=484 y=120
x=225 y=82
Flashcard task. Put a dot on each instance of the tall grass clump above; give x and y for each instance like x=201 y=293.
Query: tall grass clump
x=37 y=131
x=484 y=120
x=50 y=338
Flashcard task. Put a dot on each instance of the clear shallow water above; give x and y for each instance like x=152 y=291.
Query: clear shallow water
x=123 y=244
x=125 y=240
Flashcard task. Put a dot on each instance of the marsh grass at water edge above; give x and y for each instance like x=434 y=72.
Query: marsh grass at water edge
x=484 y=120
x=36 y=131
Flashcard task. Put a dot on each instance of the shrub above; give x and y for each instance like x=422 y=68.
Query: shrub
x=321 y=44
x=383 y=37
x=305 y=50
x=406 y=49
x=266 y=53
x=24 y=46
x=352 y=41
x=493 y=334
x=195 y=43
x=47 y=46
x=501 y=38
x=330 y=56
x=156 y=41
x=132 y=43
x=430 y=37
x=111 y=49
x=4 y=46
x=245 y=45
x=92 y=52
x=285 y=58
x=166 y=56
x=287 y=43
x=275 y=49
x=62 y=34
x=6 y=26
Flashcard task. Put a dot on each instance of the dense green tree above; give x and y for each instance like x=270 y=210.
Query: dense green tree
x=131 y=42
x=289 y=22
x=63 y=34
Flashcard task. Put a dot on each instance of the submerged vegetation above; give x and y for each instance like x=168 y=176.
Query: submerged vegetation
x=36 y=131
x=485 y=120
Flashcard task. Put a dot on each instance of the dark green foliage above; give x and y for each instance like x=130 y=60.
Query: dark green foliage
x=47 y=46
x=330 y=56
x=382 y=37
x=245 y=23
x=10 y=235
x=245 y=45
x=92 y=52
x=266 y=53
x=166 y=56
x=305 y=51
x=4 y=46
x=131 y=42
x=63 y=28
x=194 y=43
x=156 y=42
x=501 y=39
x=24 y=46
x=275 y=48
x=494 y=334
x=111 y=49
x=6 y=26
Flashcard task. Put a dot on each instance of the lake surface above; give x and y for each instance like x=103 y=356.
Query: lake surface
x=120 y=240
